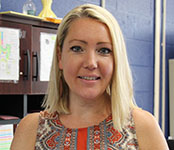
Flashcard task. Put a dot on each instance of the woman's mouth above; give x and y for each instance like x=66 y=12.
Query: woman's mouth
x=89 y=78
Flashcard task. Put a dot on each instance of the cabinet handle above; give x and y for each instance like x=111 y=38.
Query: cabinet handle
x=27 y=61
x=36 y=67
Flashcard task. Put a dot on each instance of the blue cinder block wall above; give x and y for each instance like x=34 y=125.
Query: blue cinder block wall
x=136 y=18
x=169 y=47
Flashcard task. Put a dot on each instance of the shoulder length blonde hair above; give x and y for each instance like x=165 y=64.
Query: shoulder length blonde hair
x=121 y=88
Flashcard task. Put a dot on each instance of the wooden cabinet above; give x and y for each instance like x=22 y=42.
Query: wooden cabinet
x=30 y=30
x=37 y=85
x=27 y=93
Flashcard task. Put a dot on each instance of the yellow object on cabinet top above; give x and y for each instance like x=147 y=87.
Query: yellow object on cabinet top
x=12 y=13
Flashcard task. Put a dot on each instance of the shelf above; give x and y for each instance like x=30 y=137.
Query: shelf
x=30 y=19
x=14 y=121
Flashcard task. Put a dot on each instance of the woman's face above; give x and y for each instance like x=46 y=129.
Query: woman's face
x=87 y=59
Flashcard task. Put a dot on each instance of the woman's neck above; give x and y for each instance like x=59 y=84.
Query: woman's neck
x=84 y=113
x=78 y=105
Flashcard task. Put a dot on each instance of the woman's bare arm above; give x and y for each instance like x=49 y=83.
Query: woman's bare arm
x=25 y=134
x=149 y=134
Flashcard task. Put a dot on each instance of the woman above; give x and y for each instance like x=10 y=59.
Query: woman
x=90 y=102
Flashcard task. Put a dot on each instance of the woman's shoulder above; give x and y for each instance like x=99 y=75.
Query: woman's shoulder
x=144 y=121
x=143 y=118
x=25 y=133
x=30 y=121
x=148 y=131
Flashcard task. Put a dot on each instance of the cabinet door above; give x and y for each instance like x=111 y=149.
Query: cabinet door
x=23 y=84
x=42 y=50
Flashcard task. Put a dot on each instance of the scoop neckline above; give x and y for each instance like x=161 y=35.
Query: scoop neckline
x=82 y=128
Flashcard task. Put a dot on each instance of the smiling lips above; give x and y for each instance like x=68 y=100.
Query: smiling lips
x=89 y=78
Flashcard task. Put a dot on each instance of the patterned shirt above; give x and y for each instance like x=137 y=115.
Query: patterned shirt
x=53 y=135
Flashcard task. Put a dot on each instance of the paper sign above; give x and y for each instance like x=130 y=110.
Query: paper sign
x=47 y=43
x=6 y=136
x=9 y=54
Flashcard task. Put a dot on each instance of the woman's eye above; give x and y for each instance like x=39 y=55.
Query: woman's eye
x=104 y=51
x=76 y=49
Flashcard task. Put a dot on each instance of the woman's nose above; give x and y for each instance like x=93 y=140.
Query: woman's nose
x=90 y=61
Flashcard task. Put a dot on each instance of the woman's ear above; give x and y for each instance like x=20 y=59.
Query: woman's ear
x=59 y=57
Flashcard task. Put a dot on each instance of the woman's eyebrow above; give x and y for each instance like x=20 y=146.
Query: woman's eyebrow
x=77 y=40
x=104 y=43
x=84 y=42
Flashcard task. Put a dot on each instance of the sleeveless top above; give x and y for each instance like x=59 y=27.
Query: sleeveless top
x=53 y=135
